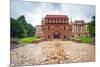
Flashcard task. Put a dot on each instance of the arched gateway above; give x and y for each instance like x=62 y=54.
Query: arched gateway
x=56 y=35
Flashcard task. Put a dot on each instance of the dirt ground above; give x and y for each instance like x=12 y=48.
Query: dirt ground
x=52 y=52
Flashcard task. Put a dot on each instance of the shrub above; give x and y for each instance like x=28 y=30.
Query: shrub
x=84 y=39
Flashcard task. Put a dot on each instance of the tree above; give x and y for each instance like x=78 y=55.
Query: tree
x=17 y=29
x=29 y=28
x=20 y=28
x=92 y=27
x=13 y=28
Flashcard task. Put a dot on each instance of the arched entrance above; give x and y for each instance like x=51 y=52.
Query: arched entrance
x=56 y=35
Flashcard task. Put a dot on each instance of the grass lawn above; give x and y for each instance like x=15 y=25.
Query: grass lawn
x=85 y=39
x=28 y=39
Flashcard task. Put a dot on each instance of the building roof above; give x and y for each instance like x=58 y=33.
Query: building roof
x=79 y=21
x=56 y=16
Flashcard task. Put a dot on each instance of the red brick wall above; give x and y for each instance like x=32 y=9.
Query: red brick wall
x=54 y=25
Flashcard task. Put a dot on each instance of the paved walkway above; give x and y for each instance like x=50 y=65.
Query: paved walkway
x=52 y=52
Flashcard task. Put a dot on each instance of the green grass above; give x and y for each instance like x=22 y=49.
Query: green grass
x=28 y=39
x=85 y=39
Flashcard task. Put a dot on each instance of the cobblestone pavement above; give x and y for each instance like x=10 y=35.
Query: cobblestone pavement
x=52 y=52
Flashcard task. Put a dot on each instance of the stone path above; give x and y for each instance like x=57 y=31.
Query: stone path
x=52 y=52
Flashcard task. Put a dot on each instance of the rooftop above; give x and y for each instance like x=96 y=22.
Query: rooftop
x=56 y=16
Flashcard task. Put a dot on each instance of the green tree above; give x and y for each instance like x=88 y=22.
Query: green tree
x=92 y=27
x=17 y=29
x=20 y=28
x=29 y=28
x=13 y=28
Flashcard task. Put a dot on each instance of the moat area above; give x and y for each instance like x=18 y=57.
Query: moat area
x=52 y=52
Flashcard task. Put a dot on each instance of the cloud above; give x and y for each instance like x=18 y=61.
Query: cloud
x=34 y=11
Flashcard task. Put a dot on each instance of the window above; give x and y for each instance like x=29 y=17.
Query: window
x=55 y=19
x=48 y=27
x=61 y=19
x=79 y=34
x=64 y=19
x=48 y=19
x=48 y=36
x=64 y=36
x=58 y=19
x=64 y=28
x=51 y=19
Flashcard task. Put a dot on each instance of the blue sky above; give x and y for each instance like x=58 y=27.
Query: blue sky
x=34 y=11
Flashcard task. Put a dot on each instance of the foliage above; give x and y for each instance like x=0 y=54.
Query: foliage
x=20 y=28
x=92 y=27
x=84 y=39
x=17 y=29
x=28 y=39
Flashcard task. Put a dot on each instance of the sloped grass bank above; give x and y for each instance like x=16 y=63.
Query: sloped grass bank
x=83 y=39
x=28 y=39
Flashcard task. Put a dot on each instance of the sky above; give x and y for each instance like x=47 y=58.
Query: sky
x=35 y=11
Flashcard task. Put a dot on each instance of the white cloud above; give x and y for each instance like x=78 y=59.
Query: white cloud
x=34 y=11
